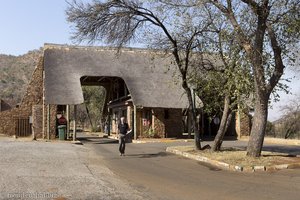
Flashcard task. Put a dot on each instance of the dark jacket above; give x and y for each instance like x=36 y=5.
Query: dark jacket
x=123 y=128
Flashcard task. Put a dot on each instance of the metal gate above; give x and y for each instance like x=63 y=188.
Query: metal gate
x=23 y=127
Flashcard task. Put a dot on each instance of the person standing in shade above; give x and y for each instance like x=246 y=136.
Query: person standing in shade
x=123 y=129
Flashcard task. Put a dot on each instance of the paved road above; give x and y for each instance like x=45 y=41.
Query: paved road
x=160 y=175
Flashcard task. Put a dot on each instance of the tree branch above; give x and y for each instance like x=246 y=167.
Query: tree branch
x=279 y=66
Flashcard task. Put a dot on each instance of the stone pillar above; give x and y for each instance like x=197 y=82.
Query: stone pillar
x=68 y=120
x=159 y=122
x=37 y=121
x=129 y=116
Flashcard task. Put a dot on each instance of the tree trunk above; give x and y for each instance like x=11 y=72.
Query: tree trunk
x=196 y=130
x=88 y=114
x=258 y=127
x=192 y=110
x=189 y=124
x=225 y=121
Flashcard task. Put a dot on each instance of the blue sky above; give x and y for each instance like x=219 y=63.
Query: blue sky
x=28 y=24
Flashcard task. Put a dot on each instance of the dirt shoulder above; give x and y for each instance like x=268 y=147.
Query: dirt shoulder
x=269 y=140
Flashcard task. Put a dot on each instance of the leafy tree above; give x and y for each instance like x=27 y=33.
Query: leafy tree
x=94 y=97
x=81 y=115
x=223 y=90
x=260 y=29
x=225 y=86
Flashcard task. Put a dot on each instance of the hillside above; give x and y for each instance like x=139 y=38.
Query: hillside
x=15 y=73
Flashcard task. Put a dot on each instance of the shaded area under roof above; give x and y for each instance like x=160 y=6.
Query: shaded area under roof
x=4 y=106
x=148 y=76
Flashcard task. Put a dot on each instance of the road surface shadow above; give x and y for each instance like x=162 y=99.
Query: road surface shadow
x=275 y=155
x=87 y=138
x=226 y=138
x=97 y=140
x=292 y=150
x=148 y=155
x=209 y=166
x=106 y=142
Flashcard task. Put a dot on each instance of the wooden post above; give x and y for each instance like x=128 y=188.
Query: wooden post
x=68 y=120
x=109 y=122
x=134 y=122
x=44 y=123
x=48 y=122
x=75 y=119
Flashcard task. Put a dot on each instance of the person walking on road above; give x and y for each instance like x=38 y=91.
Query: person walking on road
x=123 y=129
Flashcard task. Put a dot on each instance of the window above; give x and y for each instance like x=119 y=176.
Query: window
x=124 y=113
x=147 y=118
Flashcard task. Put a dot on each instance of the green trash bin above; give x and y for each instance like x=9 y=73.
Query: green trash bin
x=62 y=132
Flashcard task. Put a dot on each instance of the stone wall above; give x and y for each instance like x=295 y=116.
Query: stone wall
x=37 y=119
x=139 y=125
x=167 y=122
x=174 y=124
x=7 y=124
x=52 y=121
x=158 y=122
x=33 y=96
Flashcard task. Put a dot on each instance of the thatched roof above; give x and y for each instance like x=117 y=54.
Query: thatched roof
x=148 y=75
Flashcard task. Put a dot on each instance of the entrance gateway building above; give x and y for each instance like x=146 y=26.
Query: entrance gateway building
x=140 y=85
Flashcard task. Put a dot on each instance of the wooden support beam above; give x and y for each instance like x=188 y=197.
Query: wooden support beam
x=48 y=122
x=85 y=78
x=101 y=79
x=134 y=122
x=75 y=119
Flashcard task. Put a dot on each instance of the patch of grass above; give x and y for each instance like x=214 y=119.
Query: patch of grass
x=238 y=157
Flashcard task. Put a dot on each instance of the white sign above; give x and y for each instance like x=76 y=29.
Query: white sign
x=30 y=119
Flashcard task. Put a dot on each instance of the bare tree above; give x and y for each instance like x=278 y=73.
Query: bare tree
x=118 y=22
x=291 y=118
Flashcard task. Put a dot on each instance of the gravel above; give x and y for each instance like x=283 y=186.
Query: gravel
x=57 y=170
